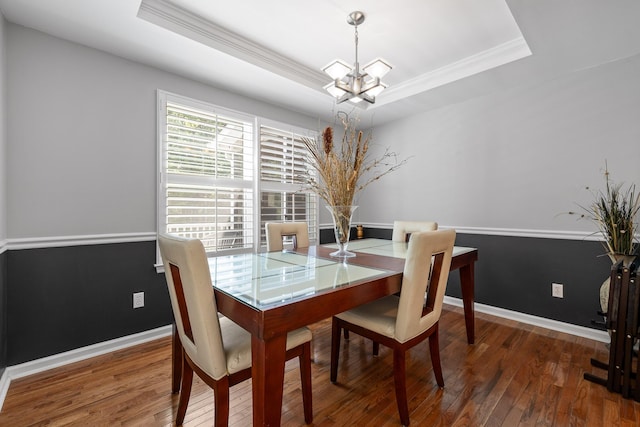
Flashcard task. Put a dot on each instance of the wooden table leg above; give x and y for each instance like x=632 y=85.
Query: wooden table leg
x=176 y=361
x=267 y=372
x=467 y=284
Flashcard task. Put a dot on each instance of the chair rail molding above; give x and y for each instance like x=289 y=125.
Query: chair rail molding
x=78 y=240
x=507 y=232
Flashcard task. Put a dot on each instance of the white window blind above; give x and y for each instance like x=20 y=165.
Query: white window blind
x=282 y=157
x=283 y=166
x=209 y=174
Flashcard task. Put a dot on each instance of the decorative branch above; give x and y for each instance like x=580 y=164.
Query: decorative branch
x=341 y=169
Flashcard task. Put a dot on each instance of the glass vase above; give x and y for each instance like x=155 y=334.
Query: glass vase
x=341 y=216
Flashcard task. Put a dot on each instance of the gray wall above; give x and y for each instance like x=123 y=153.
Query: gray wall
x=515 y=159
x=515 y=273
x=69 y=297
x=88 y=165
x=3 y=202
x=3 y=134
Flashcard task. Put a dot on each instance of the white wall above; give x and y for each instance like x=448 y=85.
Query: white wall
x=82 y=136
x=3 y=138
x=514 y=159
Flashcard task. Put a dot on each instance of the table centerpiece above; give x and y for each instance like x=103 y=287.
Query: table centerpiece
x=344 y=168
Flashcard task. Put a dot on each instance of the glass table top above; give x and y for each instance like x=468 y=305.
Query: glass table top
x=267 y=279
x=389 y=248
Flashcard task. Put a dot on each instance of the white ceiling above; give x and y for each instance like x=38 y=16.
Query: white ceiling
x=443 y=51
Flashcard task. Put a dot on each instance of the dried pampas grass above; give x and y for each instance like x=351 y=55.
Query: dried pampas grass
x=344 y=168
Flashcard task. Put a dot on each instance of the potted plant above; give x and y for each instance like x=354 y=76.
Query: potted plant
x=614 y=211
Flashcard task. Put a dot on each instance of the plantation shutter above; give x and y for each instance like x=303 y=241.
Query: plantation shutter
x=283 y=166
x=208 y=176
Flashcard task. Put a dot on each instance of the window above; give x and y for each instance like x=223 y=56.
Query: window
x=212 y=164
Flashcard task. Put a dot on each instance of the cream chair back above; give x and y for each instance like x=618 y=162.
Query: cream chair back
x=277 y=230
x=402 y=228
x=193 y=303
x=426 y=270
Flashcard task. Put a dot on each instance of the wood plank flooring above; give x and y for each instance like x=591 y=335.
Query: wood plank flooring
x=515 y=375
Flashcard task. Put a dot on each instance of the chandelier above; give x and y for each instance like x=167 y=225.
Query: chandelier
x=351 y=84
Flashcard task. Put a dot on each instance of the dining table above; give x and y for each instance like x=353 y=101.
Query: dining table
x=272 y=293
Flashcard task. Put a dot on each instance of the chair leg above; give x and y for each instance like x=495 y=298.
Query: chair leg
x=376 y=348
x=400 y=381
x=335 y=348
x=185 y=391
x=434 y=349
x=305 y=379
x=176 y=361
x=221 y=396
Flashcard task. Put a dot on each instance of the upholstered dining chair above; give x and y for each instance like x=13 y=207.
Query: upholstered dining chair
x=401 y=322
x=215 y=348
x=401 y=231
x=276 y=231
x=403 y=228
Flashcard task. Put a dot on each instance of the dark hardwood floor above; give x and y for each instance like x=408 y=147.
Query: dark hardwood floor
x=515 y=375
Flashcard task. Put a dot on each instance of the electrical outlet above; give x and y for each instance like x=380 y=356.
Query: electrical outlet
x=557 y=290
x=138 y=299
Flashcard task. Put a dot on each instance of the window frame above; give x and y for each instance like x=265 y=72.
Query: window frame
x=255 y=184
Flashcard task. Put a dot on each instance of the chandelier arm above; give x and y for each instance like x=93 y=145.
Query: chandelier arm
x=344 y=86
x=347 y=96
x=370 y=85
x=370 y=99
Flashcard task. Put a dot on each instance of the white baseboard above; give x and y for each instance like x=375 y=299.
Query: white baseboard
x=5 y=381
x=50 y=362
x=554 y=325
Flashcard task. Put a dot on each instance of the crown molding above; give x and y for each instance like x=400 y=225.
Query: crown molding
x=499 y=55
x=180 y=21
